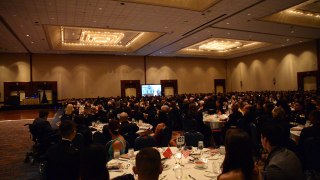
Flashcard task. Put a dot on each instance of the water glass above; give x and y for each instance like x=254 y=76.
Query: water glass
x=215 y=167
x=200 y=145
x=116 y=154
x=131 y=155
x=178 y=172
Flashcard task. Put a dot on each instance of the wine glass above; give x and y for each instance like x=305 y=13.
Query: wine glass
x=178 y=172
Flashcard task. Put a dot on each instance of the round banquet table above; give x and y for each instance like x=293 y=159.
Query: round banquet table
x=215 y=121
x=188 y=167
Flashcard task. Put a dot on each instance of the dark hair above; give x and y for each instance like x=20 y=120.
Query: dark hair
x=43 y=113
x=114 y=126
x=93 y=163
x=148 y=162
x=239 y=153
x=274 y=132
x=66 y=128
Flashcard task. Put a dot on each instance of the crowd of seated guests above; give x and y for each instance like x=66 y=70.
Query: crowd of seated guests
x=249 y=111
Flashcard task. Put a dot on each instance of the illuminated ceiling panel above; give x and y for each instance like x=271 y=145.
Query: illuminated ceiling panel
x=304 y=14
x=221 y=47
x=94 y=39
x=193 y=5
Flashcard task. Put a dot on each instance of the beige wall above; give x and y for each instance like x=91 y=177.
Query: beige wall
x=258 y=70
x=194 y=75
x=87 y=75
x=100 y=75
x=13 y=67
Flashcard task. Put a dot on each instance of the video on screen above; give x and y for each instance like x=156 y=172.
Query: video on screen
x=151 y=90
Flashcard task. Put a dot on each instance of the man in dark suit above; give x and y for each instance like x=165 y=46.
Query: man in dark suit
x=43 y=130
x=62 y=158
x=126 y=126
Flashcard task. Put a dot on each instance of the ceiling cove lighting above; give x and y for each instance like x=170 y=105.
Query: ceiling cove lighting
x=97 y=39
x=221 y=47
x=304 y=14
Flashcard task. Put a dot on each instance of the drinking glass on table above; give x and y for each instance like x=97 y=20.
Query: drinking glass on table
x=116 y=154
x=178 y=171
x=131 y=155
x=216 y=167
x=200 y=146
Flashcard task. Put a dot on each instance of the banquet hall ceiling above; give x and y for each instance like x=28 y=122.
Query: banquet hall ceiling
x=215 y=29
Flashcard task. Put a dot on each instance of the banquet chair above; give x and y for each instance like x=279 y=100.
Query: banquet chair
x=99 y=138
x=165 y=137
x=193 y=137
x=131 y=137
x=142 y=142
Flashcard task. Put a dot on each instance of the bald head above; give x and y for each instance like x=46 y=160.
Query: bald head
x=123 y=116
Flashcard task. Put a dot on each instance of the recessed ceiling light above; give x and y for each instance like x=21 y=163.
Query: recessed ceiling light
x=287 y=39
x=32 y=42
x=228 y=33
x=249 y=14
x=73 y=34
x=227 y=23
x=100 y=9
x=300 y=41
x=27 y=35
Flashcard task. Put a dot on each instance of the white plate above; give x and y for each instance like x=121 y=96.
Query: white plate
x=201 y=168
x=210 y=174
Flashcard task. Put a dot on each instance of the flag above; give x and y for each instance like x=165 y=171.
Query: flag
x=185 y=153
x=167 y=153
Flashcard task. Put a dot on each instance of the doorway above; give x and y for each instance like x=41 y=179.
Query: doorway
x=219 y=86
x=307 y=81
x=130 y=88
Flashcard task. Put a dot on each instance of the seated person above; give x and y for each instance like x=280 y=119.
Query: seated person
x=62 y=158
x=118 y=143
x=43 y=129
x=308 y=135
x=148 y=164
x=93 y=163
x=126 y=126
x=281 y=163
x=238 y=162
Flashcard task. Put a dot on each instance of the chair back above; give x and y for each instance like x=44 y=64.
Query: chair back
x=99 y=138
x=165 y=137
x=192 y=138
x=131 y=137
x=142 y=142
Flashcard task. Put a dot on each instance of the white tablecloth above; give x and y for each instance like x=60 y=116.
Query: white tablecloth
x=142 y=126
x=188 y=166
x=215 y=121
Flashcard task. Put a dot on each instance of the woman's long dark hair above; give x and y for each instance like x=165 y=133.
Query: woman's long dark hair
x=239 y=153
x=93 y=163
